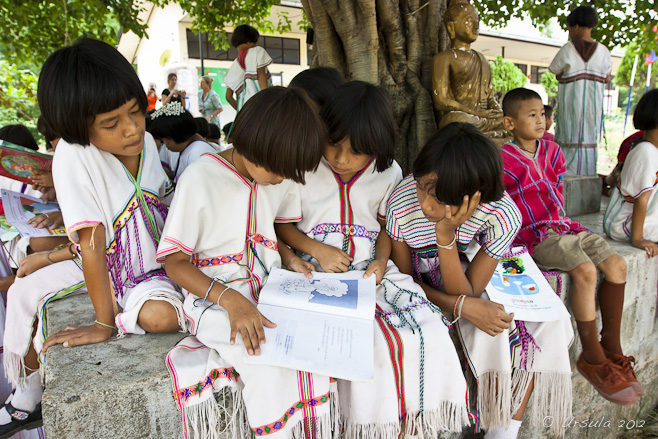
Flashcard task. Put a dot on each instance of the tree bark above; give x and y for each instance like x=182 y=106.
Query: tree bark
x=390 y=43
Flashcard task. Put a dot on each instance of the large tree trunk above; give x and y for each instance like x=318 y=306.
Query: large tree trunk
x=390 y=43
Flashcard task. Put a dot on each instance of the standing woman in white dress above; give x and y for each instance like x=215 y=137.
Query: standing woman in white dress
x=582 y=68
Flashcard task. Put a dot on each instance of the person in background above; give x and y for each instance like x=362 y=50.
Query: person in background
x=548 y=118
x=248 y=74
x=582 y=68
x=209 y=103
x=171 y=93
x=19 y=135
x=152 y=98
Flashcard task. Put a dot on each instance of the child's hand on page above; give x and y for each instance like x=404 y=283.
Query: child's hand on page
x=299 y=265
x=246 y=320
x=376 y=267
x=331 y=259
x=53 y=220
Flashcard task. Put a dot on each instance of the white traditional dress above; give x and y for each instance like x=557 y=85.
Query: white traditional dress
x=93 y=188
x=193 y=151
x=243 y=78
x=418 y=385
x=536 y=350
x=230 y=237
x=639 y=175
x=579 y=113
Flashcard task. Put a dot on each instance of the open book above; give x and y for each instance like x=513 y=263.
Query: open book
x=519 y=285
x=324 y=325
x=20 y=163
x=19 y=208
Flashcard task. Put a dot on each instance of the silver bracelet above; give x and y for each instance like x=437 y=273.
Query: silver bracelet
x=449 y=246
x=222 y=293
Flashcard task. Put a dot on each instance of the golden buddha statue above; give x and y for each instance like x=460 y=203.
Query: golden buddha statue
x=461 y=77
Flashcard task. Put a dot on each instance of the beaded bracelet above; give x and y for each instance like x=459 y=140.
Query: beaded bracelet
x=212 y=282
x=454 y=309
x=461 y=305
x=449 y=246
x=457 y=313
x=105 y=324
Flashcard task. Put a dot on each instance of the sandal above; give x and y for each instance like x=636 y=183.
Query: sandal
x=20 y=420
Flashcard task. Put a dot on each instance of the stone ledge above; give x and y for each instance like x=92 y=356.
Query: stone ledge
x=582 y=195
x=105 y=390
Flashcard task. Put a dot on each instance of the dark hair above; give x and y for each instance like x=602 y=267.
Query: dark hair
x=646 y=113
x=464 y=161
x=584 y=16
x=213 y=131
x=171 y=75
x=19 y=135
x=202 y=127
x=244 y=34
x=363 y=113
x=227 y=128
x=319 y=83
x=548 y=111
x=45 y=130
x=278 y=130
x=178 y=128
x=83 y=80
x=513 y=98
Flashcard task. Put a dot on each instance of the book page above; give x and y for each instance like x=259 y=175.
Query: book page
x=333 y=345
x=347 y=294
x=19 y=208
x=519 y=285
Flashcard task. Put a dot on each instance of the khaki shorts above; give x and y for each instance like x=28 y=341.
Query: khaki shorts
x=566 y=252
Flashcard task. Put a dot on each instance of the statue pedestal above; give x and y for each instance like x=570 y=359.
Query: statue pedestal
x=582 y=195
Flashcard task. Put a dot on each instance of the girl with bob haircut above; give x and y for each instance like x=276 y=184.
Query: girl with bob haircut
x=176 y=128
x=632 y=213
x=248 y=74
x=343 y=206
x=455 y=198
x=222 y=259
x=112 y=192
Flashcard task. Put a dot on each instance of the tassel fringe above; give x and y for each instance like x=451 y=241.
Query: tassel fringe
x=552 y=396
x=499 y=397
x=495 y=399
x=449 y=417
x=15 y=369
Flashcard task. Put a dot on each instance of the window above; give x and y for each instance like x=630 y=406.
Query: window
x=536 y=72
x=282 y=50
x=523 y=68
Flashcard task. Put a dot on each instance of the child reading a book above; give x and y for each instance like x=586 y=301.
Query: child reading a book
x=223 y=258
x=533 y=175
x=174 y=126
x=343 y=206
x=110 y=186
x=248 y=74
x=631 y=213
x=451 y=200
